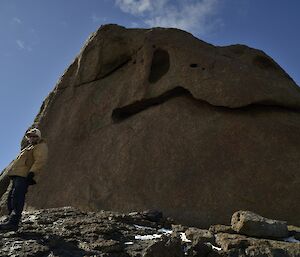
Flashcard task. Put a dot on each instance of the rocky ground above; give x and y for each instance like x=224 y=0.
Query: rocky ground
x=69 y=232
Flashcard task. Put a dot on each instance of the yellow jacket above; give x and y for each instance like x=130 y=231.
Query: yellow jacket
x=31 y=158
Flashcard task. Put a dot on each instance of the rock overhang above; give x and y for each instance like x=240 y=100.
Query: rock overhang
x=158 y=60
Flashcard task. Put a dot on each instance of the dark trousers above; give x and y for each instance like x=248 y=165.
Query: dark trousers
x=16 y=198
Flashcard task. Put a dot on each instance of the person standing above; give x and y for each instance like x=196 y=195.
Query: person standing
x=24 y=171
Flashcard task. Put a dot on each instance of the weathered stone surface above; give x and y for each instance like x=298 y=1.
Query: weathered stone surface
x=221 y=229
x=199 y=235
x=158 y=119
x=70 y=232
x=239 y=245
x=167 y=247
x=153 y=215
x=179 y=228
x=252 y=224
x=200 y=238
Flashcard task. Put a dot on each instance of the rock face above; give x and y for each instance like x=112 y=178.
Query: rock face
x=158 y=119
x=70 y=232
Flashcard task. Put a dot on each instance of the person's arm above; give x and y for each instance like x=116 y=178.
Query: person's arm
x=40 y=154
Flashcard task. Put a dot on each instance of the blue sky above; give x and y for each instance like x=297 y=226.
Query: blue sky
x=39 y=39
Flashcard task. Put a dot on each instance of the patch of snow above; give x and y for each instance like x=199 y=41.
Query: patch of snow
x=214 y=247
x=291 y=239
x=142 y=227
x=165 y=231
x=159 y=234
x=147 y=237
x=133 y=213
x=184 y=238
x=128 y=243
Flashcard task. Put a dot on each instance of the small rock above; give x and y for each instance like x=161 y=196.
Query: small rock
x=230 y=241
x=153 y=215
x=240 y=245
x=166 y=247
x=294 y=231
x=177 y=229
x=221 y=229
x=199 y=235
x=200 y=240
x=251 y=224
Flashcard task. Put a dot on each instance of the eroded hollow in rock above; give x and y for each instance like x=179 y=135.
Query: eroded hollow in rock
x=120 y=114
x=160 y=65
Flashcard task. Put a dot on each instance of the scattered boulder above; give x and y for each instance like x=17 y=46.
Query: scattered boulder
x=240 y=245
x=178 y=228
x=199 y=235
x=251 y=224
x=71 y=232
x=153 y=215
x=201 y=239
x=166 y=247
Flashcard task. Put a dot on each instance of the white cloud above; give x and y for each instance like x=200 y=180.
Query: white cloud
x=16 y=20
x=136 y=7
x=20 y=44
x=191 y=15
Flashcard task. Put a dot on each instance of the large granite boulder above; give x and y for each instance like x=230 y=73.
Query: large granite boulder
x=158 y=119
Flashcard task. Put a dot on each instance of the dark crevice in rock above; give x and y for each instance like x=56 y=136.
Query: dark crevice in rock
x=106 y=74
x=160 y=65
x=269 y=104
x=120 y=114
x=88 y=82
x=256 y=106
x=195 y=65
x=123 y=113
x=122 y=61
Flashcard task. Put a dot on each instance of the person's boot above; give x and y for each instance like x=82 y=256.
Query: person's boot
x=12 y=224
x=9 y=226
